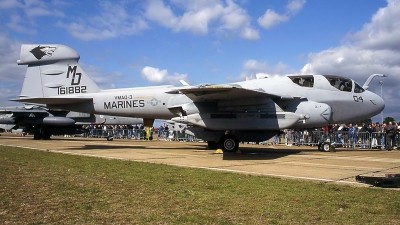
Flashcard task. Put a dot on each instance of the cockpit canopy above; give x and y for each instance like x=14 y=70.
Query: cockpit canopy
x=343 y=84
x=304 y=80
x=338 y=82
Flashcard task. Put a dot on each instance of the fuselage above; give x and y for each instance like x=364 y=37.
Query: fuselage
x=343 y=104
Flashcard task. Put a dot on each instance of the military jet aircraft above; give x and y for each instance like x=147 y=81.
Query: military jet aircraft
x=43 y=122
x=223 y=115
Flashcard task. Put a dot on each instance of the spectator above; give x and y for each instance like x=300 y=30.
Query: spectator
x=370 y=135
x=383 y=136
x=136 y=131
x=345 y=131
x=166 y=132
x=390 y=136
x=363 y=137
x=117 y=131
x=104 y=131
x=352 y=135
x=378 y=134
x=130 y=131
x=91 y=130
x=160 y=132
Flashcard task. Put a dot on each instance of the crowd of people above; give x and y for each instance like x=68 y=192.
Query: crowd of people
x=138 y=131
x=373 y=135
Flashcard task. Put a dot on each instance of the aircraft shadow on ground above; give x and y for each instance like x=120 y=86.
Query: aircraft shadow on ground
x=247 y=153
x=358 y=150
x=127 y=146
x=259 y=154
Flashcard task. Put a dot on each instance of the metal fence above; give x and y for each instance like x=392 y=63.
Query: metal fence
x=310 y=138
x=338 y=139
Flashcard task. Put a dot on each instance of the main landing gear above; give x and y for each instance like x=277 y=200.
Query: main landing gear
x=228 y=143
x=41 y=133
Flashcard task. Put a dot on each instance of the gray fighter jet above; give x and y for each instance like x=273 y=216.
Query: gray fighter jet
x=43 y=122
x=223 y=114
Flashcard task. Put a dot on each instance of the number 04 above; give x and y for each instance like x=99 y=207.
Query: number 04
x=358 y=98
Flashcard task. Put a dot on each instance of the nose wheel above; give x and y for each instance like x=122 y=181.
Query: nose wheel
x=229 y=143
x=326 y=147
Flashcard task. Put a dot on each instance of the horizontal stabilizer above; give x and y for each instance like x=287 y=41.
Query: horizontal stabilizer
x=21 y=110
x=53 y=100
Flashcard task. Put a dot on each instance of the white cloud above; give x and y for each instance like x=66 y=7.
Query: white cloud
x=158 y=12
x=104 y=79
x=114 y=19
x=39 y=11
x=198 y=17
x=12 y=75
x=254 y=67
x=373 y=49
x=10 y=4
x=195 y=4
x=383 y=30
x=249 y=33
x=272 y=18
x=197 y=22
x=30 y=3
x=295 y=6
x=369 y=50
x=21 y=14
x=16 y=25
x=236 y=19
x=157 y=76
x=111 y=22
x=86 y=32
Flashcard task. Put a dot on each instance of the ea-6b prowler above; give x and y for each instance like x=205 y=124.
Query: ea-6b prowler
x=223 y=115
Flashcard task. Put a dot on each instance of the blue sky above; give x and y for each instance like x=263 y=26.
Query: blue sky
x=135 y=43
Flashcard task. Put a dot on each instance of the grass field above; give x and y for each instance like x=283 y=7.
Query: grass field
x=51 y=188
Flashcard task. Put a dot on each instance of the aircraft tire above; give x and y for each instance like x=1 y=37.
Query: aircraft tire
x=213 y=145
x=229 y=143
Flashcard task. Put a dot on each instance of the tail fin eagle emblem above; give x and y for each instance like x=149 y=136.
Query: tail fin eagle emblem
x=41 y=51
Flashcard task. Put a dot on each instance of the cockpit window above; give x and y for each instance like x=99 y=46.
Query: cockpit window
x=304 y=81
x=358 y=88
x=340 y=83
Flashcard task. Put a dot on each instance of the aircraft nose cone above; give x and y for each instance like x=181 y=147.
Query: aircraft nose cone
x=378 y=102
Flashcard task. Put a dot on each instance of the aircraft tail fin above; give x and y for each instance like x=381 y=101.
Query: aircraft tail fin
x=53 y=70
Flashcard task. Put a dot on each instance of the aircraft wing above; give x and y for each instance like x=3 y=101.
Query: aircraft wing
x=53 y=100
x=224 y=92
